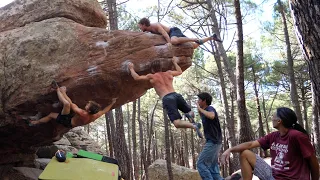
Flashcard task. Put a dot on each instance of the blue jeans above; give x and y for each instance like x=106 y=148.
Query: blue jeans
x=207 y=163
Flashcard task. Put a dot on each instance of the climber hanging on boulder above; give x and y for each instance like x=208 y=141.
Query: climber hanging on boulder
x=171 y=101
x=172 y=35
x=71 y=115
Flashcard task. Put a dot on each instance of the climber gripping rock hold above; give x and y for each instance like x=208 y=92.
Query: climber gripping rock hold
x=71 y=115
x=172 y=101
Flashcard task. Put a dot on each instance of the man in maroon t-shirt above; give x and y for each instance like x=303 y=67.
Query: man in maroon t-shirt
x=293 y=156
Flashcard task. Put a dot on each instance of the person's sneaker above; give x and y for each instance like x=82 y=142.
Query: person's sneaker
x=197 y=127
x=189 y=117
x=215 y=37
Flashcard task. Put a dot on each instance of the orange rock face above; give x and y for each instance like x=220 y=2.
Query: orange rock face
x=68 y=45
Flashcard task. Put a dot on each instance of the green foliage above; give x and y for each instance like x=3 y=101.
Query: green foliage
x=266 y=56
x=277 y=9
x=127 y=21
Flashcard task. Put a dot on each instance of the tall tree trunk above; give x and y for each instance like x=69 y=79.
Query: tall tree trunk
x=186 y=148
x=134 y=141
x=179 y=151
x=232 y=109
x=274 y=98
x=223 y=54
x=230 y=122
x=105 y=133
x=151 y=134
x=225 y=147
x=158 y=11
x=141 y=138
x=121 y=149
x=146 y=140
x=256 y=92
x=306 y=15
x=315 y=124
x=246 y=133
x=145 y=156
x=305 y=107
x=129 y=141
x=173 y=160
x=110 y=131
x=194 y=162
x=235 y=164
x=167 y=143
x=293 y=86
x=265 y=111
x=113 y=14
x=156 y=146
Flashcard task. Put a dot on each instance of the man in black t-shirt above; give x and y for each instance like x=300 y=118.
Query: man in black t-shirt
x=207 y=163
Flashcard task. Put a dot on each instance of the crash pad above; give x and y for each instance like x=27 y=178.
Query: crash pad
x=79 y=169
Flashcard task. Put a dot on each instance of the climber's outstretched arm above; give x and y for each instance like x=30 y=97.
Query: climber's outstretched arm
x=178 y=70
x=137 y=76
x=105 y=110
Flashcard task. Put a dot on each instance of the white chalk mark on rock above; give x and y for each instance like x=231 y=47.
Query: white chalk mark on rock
x=104 y=45
x=92 y=70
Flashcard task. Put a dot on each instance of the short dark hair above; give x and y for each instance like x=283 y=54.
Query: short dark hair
x=94 y=107
x=144 y=21
x=205 y=96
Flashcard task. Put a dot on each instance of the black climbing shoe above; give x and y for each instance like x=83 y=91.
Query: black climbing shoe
x=215 y=37
x=54 y=84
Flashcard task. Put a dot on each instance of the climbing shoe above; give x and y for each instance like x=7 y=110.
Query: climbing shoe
x=215 y=37
x=54 y=84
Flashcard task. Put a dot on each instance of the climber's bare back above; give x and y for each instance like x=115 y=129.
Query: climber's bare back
x=81 y=119
x=162 y=83
x=154 y=28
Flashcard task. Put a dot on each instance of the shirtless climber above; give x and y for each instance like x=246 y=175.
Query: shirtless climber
x=71 y=115
x=172 y=35
x=171 y=101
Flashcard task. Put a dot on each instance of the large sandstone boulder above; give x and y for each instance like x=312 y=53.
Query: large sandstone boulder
x=22 y=12
x=41 y=163
x=158 y=170
x=72 y=141
x=19 y=173
x=79 y=139
x=31 y=173
x=64 y=40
